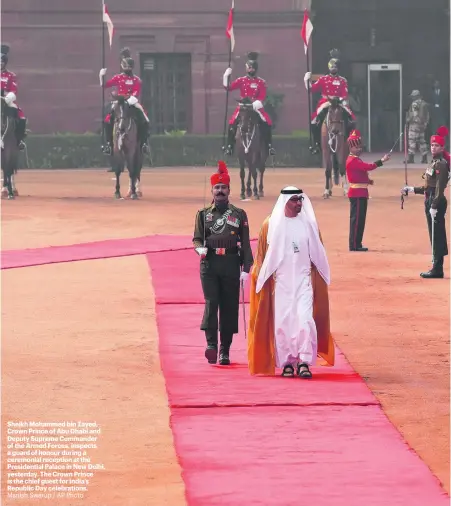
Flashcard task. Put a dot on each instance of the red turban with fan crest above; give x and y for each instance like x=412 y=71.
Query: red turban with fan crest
x=222 y=176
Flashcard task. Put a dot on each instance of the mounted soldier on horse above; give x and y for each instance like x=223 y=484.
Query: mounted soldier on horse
x=13 y=127
x=9 y=91
x=330 y=86
x=253 y=88
x=128 y=86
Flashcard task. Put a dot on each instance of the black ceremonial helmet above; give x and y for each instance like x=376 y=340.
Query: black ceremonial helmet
x=4 y=55
x=334 y=61
x=252 y=64
x=127 y=62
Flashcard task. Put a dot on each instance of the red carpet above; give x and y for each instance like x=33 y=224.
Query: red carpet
x=274 y=441
x=12 y=259
x=184 y=286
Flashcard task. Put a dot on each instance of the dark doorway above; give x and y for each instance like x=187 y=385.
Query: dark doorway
x=166 y=92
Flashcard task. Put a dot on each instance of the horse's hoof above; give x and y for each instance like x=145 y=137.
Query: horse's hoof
x=327 y=194
x=242 y=196
x=117 y=195
x=256 y=196
x=11 y=197
x=16 y=193
x=133 y=196
x=249 y=193
x=4 y=192
x=261 y=193
x=139 y=193
x=129 y=194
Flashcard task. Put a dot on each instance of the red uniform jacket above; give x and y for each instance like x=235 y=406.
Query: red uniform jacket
x=357 y=175
x=9 y=82
x=126 y=85
x=332 y=86
x=252 y=87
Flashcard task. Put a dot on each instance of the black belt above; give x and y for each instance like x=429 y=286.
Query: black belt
x=224 y=251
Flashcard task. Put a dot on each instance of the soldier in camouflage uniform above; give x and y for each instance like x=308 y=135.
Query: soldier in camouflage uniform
x=417 y=120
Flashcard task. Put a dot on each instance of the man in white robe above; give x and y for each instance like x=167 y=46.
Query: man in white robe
x=290 y=250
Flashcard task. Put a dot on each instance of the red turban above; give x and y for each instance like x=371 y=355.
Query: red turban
x=439 y=137
x=354 y=139
x=222 y=176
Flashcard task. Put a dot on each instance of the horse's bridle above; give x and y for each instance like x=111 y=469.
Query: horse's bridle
x=119 y=120
x=245 y=134
x=333 y=137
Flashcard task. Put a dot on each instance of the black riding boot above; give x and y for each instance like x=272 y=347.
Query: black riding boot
x=108 y=148
x=316 y=138
x=267 y=129
x=211 y=352
x=21 y=129
x=230 y=144
x=436 y=271
x=144 y=137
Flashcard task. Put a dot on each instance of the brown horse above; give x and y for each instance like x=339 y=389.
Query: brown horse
x=126 y=147
x=10 y=150
x=251 y=148
x=333 y=147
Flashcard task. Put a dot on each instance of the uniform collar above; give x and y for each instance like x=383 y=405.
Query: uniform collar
x=214 y=208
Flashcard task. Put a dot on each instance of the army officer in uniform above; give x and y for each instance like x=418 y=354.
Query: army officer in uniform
x=436 y=180
x=221 y=239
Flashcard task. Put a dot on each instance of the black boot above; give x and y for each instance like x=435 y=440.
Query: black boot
x=224 y=350
x=211 y=352
x=108 y=148
x=437 y=270
x=230 y=144
x=267 y=129
x=144 y=137
x=316 y=138
x=21 y=129
x=224 y=358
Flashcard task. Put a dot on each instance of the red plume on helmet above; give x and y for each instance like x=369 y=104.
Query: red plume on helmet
x=221 y=176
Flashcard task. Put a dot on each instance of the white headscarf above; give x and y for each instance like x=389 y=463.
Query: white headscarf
x=277 y=233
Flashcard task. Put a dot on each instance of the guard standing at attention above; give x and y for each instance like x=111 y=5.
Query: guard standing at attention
x=221 y=239
x=358 y=179
x=436 y=180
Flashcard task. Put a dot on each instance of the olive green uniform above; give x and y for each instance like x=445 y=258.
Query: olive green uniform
x=436 y=180
x=227 y=240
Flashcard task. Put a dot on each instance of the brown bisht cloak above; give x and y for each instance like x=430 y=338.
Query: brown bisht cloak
x=261 y=344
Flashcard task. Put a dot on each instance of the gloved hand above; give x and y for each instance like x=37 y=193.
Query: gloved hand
x=101 y=74
x=433 y=213
x=225 y=78
x=407 y=189
x=202 y=252
x=307 y=77
x=132 y=100
x=10 y=98
x=243 y=277
x=256 y=104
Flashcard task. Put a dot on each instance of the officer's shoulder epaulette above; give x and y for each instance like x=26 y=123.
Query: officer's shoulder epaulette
x=234 y=208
